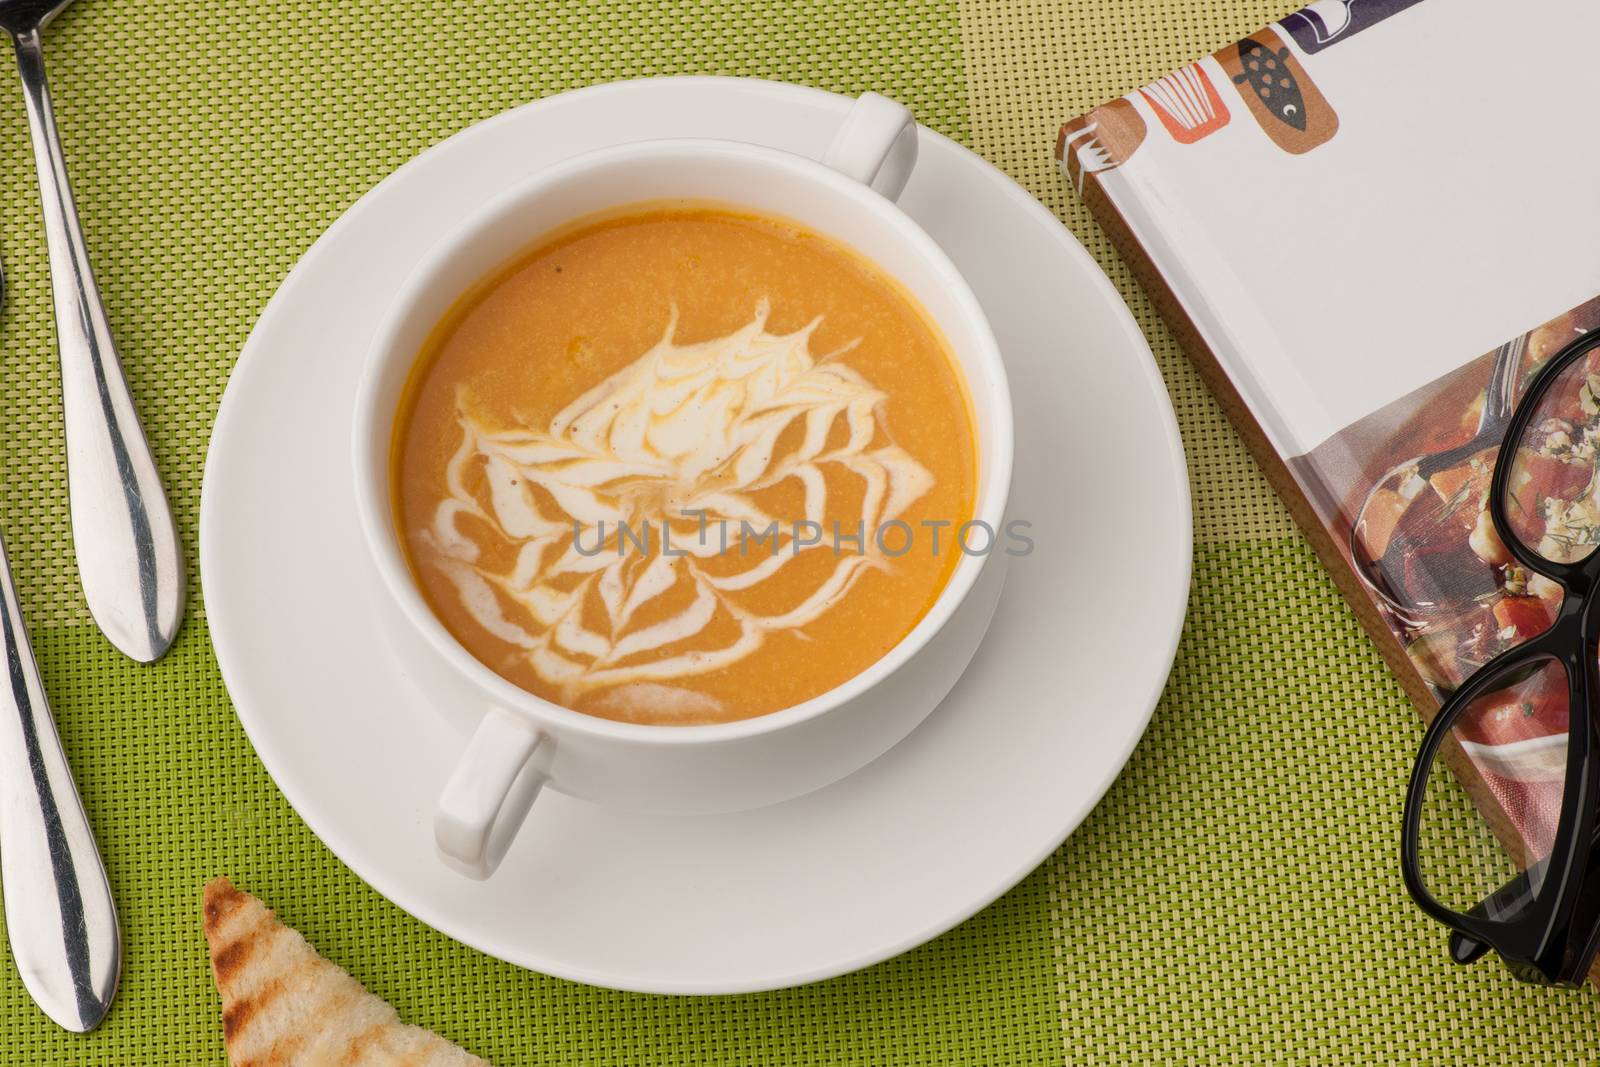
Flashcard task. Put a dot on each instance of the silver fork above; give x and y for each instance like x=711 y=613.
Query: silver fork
x=60 y=916
x=129 y=559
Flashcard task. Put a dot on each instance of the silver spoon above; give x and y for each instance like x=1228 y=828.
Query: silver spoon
x=129 y=559
x=60 y=916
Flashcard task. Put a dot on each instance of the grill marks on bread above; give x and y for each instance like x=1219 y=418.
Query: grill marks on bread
x=283 y=1005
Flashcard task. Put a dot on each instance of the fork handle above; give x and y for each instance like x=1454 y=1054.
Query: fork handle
x=60 y=918
x=129 y=558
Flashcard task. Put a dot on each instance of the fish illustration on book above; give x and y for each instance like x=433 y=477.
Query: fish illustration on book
x=1278 y=91
x=1267 y=74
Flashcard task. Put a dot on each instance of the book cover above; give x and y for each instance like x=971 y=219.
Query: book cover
x=1369 y=225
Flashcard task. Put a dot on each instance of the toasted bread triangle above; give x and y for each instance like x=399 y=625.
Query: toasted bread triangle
x=283 y=1005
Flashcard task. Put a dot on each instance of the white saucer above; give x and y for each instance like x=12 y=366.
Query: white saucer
x=865 y=869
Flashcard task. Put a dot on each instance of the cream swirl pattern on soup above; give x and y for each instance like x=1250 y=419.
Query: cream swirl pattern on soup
x=736 y=381
x=633 y=511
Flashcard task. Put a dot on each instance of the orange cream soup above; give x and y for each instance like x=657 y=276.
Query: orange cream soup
x=698 y=375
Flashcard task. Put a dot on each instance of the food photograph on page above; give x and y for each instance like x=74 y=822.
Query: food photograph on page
x=1434 y=561
x=686 y=534
x=1422 y=535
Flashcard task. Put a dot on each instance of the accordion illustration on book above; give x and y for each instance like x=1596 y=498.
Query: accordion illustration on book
x=1369 y=226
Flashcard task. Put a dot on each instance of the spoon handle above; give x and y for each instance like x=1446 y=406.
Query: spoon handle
x=129 y=558
x=60 y=918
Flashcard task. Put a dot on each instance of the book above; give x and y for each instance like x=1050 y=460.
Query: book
x=1369 y=225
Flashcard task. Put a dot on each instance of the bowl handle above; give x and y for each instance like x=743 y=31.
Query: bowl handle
x=488 y=795
x=876 y=145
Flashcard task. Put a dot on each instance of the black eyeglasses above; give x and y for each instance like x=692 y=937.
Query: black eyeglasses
x=1500 y=817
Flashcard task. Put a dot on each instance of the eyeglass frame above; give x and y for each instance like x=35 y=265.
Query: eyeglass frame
x=1541 y=943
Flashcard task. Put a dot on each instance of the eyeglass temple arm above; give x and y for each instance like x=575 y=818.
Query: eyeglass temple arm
x=1509 y=899
x=1464 y=950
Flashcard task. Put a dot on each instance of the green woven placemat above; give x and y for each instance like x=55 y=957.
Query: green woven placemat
x=1234 y=898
